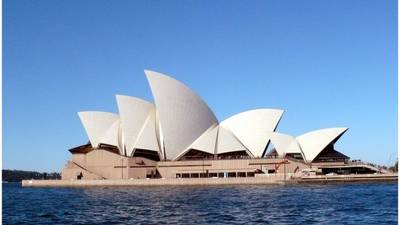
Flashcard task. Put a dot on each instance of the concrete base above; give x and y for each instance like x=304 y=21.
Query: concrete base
x=277 y=179
x=347 y=178
x=265 y=179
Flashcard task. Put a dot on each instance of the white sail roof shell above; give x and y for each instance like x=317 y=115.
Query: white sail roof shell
x=133 y=113
x=312 y=143
x=101 y=127
x=147 y=137
x=284 y=144
x=111 y=137
x=207 y=141
x=183 y=115
x=160 y=137
x=253 y=128
x=180 y=120
x=227 y=142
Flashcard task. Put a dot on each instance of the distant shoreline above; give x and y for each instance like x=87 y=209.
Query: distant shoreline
x=19 y=175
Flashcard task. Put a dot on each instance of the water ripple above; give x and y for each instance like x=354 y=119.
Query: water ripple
x=292 y=204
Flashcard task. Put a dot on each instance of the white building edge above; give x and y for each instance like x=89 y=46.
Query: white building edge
x=180 y=121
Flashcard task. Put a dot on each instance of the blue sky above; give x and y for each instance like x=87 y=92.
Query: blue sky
x=326 y=63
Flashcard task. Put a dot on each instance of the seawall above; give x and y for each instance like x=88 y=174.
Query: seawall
x=269 y=179
x=154 y=182
x=347 y=178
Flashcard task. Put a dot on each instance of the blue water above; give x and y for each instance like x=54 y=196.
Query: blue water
x=373 y=203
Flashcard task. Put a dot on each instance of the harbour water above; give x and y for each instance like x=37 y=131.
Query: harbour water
x=367 y=203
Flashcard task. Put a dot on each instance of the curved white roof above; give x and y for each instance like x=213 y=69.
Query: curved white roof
x=253 y=128
x=121 y=140
x=206 y=142
x=134 y=113
x=312 y=143
x=147 y=137
x=111 y=137
x=183 y=115
x=160 y=137
x=284 y=144
x=100 y=127
x=227 y=142
x=180 y=120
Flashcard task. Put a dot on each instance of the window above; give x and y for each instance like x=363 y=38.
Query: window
x=250 y=174
x=232 y=174
x=241 y=174
x=185 y=175
x=213 y=175
x=178 y=175
x=221 y=175
x=194 y=175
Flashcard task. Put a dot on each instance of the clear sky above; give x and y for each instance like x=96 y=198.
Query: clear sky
x=326 y=63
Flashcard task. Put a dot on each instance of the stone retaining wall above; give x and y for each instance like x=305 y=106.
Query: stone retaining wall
x=266 y=179
x=154 y=182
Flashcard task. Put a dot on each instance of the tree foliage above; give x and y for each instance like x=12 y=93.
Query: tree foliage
x=18 y=175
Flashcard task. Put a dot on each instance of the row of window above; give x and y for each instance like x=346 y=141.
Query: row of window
x=216 y=175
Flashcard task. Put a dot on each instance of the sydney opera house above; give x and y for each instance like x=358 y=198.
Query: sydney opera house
x=178 y=136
